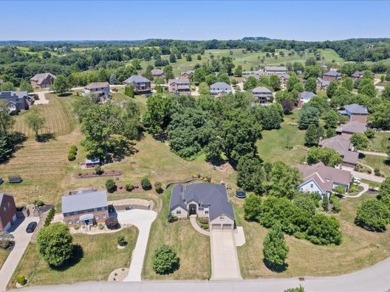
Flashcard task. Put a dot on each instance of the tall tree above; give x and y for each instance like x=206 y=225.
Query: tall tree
x=274 y=82
x=313 y=134
x=311 y=85
x=61 y=85
x=250 y=174
x=327 y=156
x=6 y=120
x=275 y=249
x=54 y=244
x=359 y=141
x=331 y=119
x=308 y=116
x=252 y=207
x=35 y=121
x=25 y=86
x=331 y=89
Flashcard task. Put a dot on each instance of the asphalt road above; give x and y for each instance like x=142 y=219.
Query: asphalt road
x=372 y=279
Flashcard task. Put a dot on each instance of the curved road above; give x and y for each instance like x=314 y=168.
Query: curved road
x=373 y=279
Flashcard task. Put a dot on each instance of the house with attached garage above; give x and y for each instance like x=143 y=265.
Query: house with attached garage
x=17 y=100
x=42 y=80
x=275 y=70
x=350 y=128
x=203 y=200
x=7 y=212
x=220 y=88
x=263 y=94
x=321 y=179
x=331 y=75
x=304 y=97
x=322 y=84
x=342 y=146
x=101 y=89
x=139 y=83
x=86 y=207
x=355 y=112
x=179 y=86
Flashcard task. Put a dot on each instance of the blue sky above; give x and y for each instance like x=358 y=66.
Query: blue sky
x=133 y=20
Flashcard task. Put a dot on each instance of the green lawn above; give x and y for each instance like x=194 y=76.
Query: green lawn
x=380 y=142
x=96 y=259
x=378 y=162
x=3 y=256
x=285 y=144
x=192 y=247
x=358 y=250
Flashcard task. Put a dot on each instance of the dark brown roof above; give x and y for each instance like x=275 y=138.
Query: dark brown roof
x=352 y=127
x=337 y=143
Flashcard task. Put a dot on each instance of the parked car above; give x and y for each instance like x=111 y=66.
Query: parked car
x=31 y=227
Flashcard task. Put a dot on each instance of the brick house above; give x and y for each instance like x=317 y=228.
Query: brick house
x=331 y=75
x=86 y=207
x=179 y=86
x=187 y=74
x=43 y=80
x=139 y=83
x=356 y=113
x=157 y=72
x=7 y=212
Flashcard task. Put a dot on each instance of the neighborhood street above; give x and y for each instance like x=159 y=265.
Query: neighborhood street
x=22 y=239
x=373 y=279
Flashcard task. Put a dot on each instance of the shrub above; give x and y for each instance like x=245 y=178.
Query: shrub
x=373 y=215
x=5 y=243
x=165 y=260
x=99 y=170
x=21 y=280
x=39 y=203
x=172 y=218
x=336 y=205
x=325 y=204
x=73 y=148
x=377 y=172
x=71 y=156
x=110 y=186
x=145 y=183
x=50 y=217
x=101 y=226
x=129 y=187
x=76 y=226
x=112 y=223
x=121 y=240
x=158 y=187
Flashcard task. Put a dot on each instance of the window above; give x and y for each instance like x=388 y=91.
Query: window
x=5 y=209
x=221 y=217
x=311 y=186
x=98 y=209
x=76 y=221
x=104 y=216
x=69 y=222
x=97 y=217
x=178 y=212
x=206 y=212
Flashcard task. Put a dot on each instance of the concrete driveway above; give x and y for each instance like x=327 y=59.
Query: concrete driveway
x=143 y=219
x=224 y=260
x=22 y=239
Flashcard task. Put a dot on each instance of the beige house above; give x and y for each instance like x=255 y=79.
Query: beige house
x=204 y=200
x=179 y=86
x=43 y=80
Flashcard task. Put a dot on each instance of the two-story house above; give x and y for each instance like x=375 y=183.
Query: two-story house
x=179 y=86
x=263 y=94
x=101 y=89
x=7 y=212
x=220 y=88
x=156 y=72
x=42 y=80
x=331 y=75
x=17 y=100
x=139 y=83
x=275 y=70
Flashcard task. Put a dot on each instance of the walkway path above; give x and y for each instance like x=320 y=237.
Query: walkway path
x=381 y=154
x=197 y=227
x=143 y=219
x=365 y=189
x=367 y=176
x=22 y=239
x=224 y=259
x=42 y=98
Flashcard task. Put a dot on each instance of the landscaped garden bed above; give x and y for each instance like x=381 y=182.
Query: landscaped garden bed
x=94 y=174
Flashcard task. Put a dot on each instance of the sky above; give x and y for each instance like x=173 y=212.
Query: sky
x=192 y=20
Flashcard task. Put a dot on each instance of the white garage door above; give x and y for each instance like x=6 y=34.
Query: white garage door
x=227 y=226
x=216 y=226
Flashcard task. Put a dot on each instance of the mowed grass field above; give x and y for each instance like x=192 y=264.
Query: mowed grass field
x=247 y=60
x=381 y=163
x=380 y=142
x=358 y=250
x=192 y=247
x=96 y=259
x=3 y=256
x=285 y=144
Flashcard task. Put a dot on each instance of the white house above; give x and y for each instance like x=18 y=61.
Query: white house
x=102 y=89
x=203 y=200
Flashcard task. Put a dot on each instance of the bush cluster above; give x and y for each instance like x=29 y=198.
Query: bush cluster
x=50 y=216
x=145 y=183
x=110 y=186
x=72 y=153
x=165 y=260
x=158 y=187
x=21 y=280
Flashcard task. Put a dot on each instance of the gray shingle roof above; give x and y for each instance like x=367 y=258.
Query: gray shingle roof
x=136 y=79
x=306 y=95
x=220 y=86
x=261 y=89
x=356 y=109
x=84 y=200
x=179 y=81
x=332 y=73
x=39 y=78
x=209 y=195
x=275 y=68
x=352 y=127
x=337 y=143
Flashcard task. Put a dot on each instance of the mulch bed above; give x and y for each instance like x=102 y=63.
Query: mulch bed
x=93 y=174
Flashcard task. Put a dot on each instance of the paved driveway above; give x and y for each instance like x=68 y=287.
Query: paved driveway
x=224 y=260
x=22 y=239
x=143 y=219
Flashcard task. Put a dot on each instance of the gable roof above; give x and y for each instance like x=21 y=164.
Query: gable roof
x=3 y=196
x=351 y=157
x=284 y=75
x=275 y=68
x=358 y=74
x=209 y=195
x=337 y=143
x=356 y=109
x=136 y=79
x=332 y=73
x=352 y=127
x=323 y=82
x=333 y=175
x=179 y=81
x=306 y=95
x=96 y=85
x=188 y=72
x=261 y=89
x=157 y=71
x=84 y=200
x=39 y=78
x=325 y=186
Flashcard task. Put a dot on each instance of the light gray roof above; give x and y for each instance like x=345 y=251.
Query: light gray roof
x=96 y=85
x=338 y=143
x=136 y=79
x=157 y=71
x=358 y=74
x=84 y=200
x=352 y=127
x=261 y=89
x=39 y=78
x=351 y=157
x=306 y=95
x=209 y=195
x=188 y=72
x=323 y=82
x=220 y=86
x=356 y=109
x=275 y=68
x=332 y=73
x=180 y=81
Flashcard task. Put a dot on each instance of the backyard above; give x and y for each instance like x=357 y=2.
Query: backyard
x=95 y=257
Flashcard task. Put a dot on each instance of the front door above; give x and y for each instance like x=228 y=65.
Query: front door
x=192 y=210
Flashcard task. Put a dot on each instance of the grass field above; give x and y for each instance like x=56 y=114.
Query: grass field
x=358 y=250
x=380 y=142
x=378 y=162
x=247 y=60
x=58 y=115
x=99 y=257
x=285 y=144
x=192 y=247
x=3 y=256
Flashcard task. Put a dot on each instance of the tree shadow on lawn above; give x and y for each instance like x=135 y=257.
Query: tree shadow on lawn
x=77 y=256
x=386 y=162
x=42 y=138
x=275 y=268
